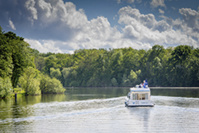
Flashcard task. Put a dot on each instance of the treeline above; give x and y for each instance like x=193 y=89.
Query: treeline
x=36 y=73
x=173 y=66
x=18 y=70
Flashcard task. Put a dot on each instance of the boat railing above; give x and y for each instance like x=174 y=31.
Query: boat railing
x=141 y=86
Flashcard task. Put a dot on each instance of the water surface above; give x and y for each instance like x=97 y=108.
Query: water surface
x=99 y=110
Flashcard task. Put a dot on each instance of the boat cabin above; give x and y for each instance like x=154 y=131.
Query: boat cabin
x=139 y=94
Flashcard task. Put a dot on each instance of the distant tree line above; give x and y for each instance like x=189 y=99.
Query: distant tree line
x=36 y=73
x=170 y=67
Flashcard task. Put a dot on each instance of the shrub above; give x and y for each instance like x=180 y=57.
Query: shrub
x=51 y=85
x=30 y=81
x=6 y=89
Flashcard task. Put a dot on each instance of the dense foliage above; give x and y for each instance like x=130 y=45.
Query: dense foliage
x=17 y=68
x=51 y=85
x=5 y=87
x=178 y=66
x=30 y=81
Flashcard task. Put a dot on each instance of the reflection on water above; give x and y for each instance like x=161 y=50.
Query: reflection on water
x=95 y=93
x=98 y=110
x=176 y=92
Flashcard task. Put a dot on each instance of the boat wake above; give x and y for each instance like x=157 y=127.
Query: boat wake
x=95 y=107
x=176 y=101
x=54 y=110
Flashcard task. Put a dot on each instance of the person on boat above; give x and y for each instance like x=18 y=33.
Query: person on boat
x=140 y=86
x=145 y=84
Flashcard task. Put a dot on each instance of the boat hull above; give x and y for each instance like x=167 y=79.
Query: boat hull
x=139 y=103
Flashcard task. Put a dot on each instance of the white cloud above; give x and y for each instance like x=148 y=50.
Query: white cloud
x=55 y=26
x=129 y=15
x=30 y=5
x=157 y=3
x=54 y=19
x=11 y=24
x=161 y=11
x=190 y=17
x=131 y=32
x=44 y=46
x=145 y=29
x=141 y=31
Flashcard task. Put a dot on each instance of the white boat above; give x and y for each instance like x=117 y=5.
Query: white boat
x=139 y=96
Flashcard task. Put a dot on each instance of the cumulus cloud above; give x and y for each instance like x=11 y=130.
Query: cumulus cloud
x=145 y=29
x=191 y=17
x=132 y=16
x=45 y=19
x=141 y=31
x=157 y=3
x=57 y=26
x=30 y=5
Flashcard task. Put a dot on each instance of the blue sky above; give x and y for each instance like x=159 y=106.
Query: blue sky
x=65 y=26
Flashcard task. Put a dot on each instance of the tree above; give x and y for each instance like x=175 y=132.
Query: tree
x=19 y=51
x=6 y=89
x=157 y=51
x=114 y=82
x=179 y=63
x=6 y=62
x=116 y=65
x=55 y=73
x=51 y=85
x=30 y=81
x=66 y=72
x=180 y=54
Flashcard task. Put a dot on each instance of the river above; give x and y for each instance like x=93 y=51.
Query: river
x=96 y=110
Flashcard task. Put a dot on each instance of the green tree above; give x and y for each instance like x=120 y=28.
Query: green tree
x=179 y=62
x=180 y=55
x=55 y=73
x=6 y=89
x=30 y=81
x=51 y=85
x=117 y=65
x=114 y=82
x=66 y=72
x=6 y=62
x=20 y=55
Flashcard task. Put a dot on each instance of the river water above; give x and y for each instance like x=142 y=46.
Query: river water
x=96 y=110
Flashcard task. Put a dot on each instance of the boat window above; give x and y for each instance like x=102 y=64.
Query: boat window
x=128 y=95
x=146 y=96
x=143 y=96
x=135 y=96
